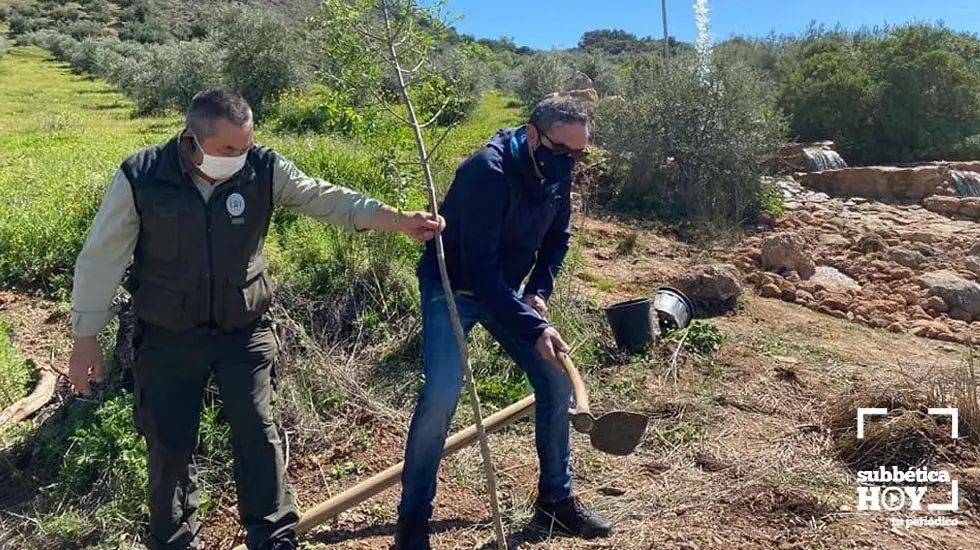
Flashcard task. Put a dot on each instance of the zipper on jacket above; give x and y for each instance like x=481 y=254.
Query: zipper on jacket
x=207 y=214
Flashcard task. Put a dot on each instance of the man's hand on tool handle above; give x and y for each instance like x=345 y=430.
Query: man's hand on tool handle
x=550 y=345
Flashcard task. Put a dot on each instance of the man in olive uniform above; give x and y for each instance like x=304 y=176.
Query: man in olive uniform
x=192 y=214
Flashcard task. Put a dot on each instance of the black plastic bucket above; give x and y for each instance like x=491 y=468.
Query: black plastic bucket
x=632 y=323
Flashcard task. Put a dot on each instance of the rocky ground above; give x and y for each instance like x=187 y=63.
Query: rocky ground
x=894 y=265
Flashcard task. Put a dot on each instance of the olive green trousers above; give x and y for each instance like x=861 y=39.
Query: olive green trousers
x=170 y=373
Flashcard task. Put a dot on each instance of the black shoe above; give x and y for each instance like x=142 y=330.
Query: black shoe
x=285 y=542
x=412 y=535
x=571 y=517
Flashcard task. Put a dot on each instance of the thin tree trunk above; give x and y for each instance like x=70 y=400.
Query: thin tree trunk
x=663 y=9
x=447 y=289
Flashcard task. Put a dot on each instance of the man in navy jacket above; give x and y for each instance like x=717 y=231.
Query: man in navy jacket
x=507 y=214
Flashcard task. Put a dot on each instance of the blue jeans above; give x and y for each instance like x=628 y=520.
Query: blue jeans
x=440 y=395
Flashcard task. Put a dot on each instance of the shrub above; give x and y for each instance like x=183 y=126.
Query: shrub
x=541 y=75
x=459 y=79
x=171 y=75
x=262 y=56
x=80 y=30
x=84 y=56
x=152 y=31
x=693 y=150
x=3 y=47
x=904 y=95
x=321 y=111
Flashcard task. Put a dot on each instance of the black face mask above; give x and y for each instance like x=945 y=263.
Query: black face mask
x=553 y=167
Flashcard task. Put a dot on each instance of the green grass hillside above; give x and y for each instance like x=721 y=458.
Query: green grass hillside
x=63 y=135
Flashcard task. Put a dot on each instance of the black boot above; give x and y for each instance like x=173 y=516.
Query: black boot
x=285 y=542
x=571 y=517
x=412 y=534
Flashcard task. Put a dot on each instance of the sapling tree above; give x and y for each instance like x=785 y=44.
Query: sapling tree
x=385 y=46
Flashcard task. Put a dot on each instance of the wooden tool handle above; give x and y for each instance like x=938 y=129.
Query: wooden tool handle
x=381 y=481
x=578 y=386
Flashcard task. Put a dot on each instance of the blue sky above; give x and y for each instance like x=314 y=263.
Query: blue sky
x=553 y=23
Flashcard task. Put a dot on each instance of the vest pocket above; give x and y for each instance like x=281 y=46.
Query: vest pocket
x=158 y=305
x=160 y=232
x=247 y=294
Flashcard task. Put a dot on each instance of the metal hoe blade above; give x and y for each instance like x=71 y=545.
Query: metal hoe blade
x=617 y=433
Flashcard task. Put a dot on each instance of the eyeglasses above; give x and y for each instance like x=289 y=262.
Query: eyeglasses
x=560 y=149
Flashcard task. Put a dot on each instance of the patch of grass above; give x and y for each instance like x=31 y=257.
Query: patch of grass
x=776 y=344
x=679 y=434
x=627 y=244
x=346 y=469
x=601 y=283
x=62 y=142
x=15 y=373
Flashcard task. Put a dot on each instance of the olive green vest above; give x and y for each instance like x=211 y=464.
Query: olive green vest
x=199 y=264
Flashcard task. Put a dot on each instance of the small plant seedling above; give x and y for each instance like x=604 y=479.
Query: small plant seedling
x=348 y=468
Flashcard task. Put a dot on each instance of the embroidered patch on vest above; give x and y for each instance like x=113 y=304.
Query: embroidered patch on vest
x=235 y=204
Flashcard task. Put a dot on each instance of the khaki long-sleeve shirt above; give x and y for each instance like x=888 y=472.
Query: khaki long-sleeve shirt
x=110 y=243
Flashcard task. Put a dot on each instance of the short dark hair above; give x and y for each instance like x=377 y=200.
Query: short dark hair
x=558 y=109
x=209 y=105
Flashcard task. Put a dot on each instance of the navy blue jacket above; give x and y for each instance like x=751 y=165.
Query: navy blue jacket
x=502 y=221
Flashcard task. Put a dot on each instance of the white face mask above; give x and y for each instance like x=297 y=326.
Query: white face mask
x=219 y=168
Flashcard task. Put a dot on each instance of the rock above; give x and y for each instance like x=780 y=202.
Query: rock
x=921 y=237
x=832 y=312
x=787 y=252
x=836 y=302
x=899 y=274
x=794 y=157
x=972 y=264
x=585 y=96
x=957 y=292
x=941 y=204
x=975 y=249
x=803 y=296
x=871 y=242
x=929 y=329
x=834 y=240
x=580 y=87
x=879 y=182
x=770 y=290
x=916 y=312
x=712 y=289
x=579 y=81
x=906 y=258
x=935 y=303
x=788 y=295
x=960 y=315
x=970 y=207
x=925 y=249
x=896 y=327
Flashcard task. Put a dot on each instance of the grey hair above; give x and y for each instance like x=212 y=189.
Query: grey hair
x=209 y=105
x=558 y=109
